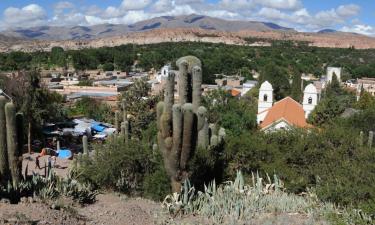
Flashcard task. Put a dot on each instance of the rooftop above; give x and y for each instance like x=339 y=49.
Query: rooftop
x=286 y=109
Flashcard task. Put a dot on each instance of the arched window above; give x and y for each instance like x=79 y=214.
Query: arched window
x=310 y=100
x=265 y=97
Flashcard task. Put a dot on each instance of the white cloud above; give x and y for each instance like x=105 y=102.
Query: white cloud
x=348 y=10
x=235 y=5
x=135 y=4
x=280 y=4
x=360 y=29
x=30 y=15
x=163 y=6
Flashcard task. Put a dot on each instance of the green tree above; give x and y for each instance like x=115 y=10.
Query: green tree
x=278 y=78
x=296 y=89
x=108 y=67
x=58 y=57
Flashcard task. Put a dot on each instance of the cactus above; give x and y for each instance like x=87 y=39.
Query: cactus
x=85 y=145
x=14 y=142
x=117 y=121
x=183 y=126
x=370 y=138
x=361 y=138
x=125 y=131
x=4 y=167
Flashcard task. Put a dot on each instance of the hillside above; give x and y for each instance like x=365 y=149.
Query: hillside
x=326 y=40
x=111 y=30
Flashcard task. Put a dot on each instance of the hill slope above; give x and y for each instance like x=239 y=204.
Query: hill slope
x=111 y=30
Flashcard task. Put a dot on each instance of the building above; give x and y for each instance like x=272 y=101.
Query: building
x=265 y=100
x=248 y=85
x=284 y=114
x=331 y=71
x=310 y=99
x=366 y=84
x=287 y=112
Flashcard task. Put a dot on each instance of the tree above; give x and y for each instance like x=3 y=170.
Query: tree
x=108 y=67
x=140 y=105
x=277 y=77
x=296 y=90
x=123 y=61
x=58 y=57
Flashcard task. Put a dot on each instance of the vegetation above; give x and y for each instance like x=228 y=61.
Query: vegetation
x=237 y=203
x=216 y=58
x=91 y=108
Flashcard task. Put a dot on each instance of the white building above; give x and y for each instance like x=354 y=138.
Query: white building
x=287 y=112
x=310 y=99
x=163 y=73
x=265 y=100
x=331 y=71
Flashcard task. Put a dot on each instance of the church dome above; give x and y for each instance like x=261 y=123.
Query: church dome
x=266 y=86
x=311 y=89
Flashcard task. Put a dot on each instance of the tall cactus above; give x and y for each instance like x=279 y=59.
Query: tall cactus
x=4 y=167
x=14 y=142
x=370 y=139
x=182 y=127
x=117 y=121
x=85 y=144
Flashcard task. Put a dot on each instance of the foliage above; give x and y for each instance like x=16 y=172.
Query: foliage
x=237 y=203
x=140 y=105
x=130 y=168
x=85 y=83
x=49 y=188
x=333 y=103
x=108 y=67
x=92 y=109
x=235 y=115
x=217 y=58
x=330 y=160
x=278 y=78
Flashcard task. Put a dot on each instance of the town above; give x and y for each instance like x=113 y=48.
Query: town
x=159 y=120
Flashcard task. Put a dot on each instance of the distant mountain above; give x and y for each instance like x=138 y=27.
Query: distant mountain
x=327 y=31
x=111 y=30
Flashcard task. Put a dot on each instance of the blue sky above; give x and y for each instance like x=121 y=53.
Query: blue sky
x=303 y=15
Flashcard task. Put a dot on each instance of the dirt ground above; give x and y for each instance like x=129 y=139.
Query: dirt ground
x=111 y=209
x=61 y=167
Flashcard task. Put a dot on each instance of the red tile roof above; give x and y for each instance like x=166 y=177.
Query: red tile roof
x=286 y=109
x=235 y=93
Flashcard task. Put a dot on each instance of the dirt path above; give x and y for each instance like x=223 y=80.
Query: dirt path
x=117 y=210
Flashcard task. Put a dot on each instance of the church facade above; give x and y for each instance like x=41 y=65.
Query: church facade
x=287 y=112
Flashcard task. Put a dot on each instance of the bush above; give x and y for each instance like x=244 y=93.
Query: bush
x=331 y=161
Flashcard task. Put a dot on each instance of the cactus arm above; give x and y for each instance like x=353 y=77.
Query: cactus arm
x=183 y=91
x=197 y=87
x=12 y=144
x=187 y=135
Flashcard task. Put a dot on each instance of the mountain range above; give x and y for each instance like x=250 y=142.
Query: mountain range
x=191 y=28
x=111 y=30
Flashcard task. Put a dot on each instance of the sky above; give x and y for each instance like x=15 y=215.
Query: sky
x=303 y=15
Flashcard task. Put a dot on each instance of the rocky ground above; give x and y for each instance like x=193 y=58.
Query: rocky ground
x=112 y=209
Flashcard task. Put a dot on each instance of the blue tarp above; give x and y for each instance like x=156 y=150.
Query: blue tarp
x=64 y=154
x=98 y=127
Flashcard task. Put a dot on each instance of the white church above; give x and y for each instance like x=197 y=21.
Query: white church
x=287 y=112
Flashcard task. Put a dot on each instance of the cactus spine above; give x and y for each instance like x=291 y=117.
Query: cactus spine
x=14 y=142
x=182 y=127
